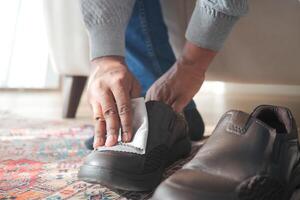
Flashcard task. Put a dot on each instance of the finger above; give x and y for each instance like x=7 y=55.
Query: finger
x=97 y=111
x=111 y=117
x=136 y=90
x=152 y=94
x=100 y=126
x=125 y=112
x=100 y=131
x=179 y=104
x=148 y=95
x=160 y=94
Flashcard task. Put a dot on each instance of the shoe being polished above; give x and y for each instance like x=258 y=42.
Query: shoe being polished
x=167 y=142
x=193 y=118
x=195 y=124
x=248 y=157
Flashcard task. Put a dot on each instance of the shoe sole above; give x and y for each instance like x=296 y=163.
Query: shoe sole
x=134 y=182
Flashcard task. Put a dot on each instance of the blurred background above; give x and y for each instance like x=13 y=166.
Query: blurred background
x=24 y=60
x=44 y=64
x=44 y=59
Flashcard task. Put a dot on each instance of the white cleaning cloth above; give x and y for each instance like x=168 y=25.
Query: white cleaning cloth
x=140 y=130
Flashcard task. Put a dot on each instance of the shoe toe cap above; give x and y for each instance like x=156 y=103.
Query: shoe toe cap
x=188 y=184
x=120 y=161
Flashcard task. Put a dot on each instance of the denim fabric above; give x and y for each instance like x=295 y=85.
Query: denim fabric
x=106 y=20
x=148 y=51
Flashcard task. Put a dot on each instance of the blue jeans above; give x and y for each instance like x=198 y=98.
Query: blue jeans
x=148 y=51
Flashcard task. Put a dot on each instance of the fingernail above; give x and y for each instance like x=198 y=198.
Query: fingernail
x=95 y=144
x=101 y=142
x=111 y=140
x=98 y=142
x=126 y=137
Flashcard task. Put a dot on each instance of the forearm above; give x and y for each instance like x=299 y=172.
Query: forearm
x=106 y=22
x=196 y=59
x=212 y=22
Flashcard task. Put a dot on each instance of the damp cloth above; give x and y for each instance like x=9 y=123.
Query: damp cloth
x=140 y=129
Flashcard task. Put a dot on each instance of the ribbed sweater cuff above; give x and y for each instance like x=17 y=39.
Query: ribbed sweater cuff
x=106 y=40
x=209 y=28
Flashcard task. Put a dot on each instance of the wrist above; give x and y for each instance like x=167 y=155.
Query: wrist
x=107 y=62
x=196 y=58
x=104 y=64
x=108 y=59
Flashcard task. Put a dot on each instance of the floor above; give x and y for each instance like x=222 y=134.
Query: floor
x=40 y=160
x=211 y=104
x=39 y=149
x=41 y=154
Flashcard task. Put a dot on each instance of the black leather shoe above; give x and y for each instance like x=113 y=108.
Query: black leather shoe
x=195 y=124
x=194 y=121
x=167 y=142
x=89 y=143
x=248 y=157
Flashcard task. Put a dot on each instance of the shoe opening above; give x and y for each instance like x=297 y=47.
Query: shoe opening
x=272 y=119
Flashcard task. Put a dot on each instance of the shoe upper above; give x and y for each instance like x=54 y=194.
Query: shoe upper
x=264 y=143
x=165 y=128
x=243 y=145
x=285 y=152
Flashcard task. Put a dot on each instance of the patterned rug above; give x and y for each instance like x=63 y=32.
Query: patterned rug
x=40 y=160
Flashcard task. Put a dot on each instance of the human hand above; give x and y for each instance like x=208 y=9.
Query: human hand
x=182 y=81
x=110 y=88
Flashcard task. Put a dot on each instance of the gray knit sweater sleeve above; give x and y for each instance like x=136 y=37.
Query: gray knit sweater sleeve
x=106 y=21
x=212 y=21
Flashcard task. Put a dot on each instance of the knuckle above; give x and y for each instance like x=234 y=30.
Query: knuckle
x=118 y=81
x=99 y=83
x=119 y=78
x=112 y=130
x=109 y=111
x=97 y=90
x=100 y=118
x=124 y=109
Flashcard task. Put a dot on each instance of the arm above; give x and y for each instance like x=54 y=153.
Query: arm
x=110 y=85
x=212 y=21
x=106 y=21
x=210 y=24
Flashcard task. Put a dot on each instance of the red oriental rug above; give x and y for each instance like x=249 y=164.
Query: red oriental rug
x=40 y=160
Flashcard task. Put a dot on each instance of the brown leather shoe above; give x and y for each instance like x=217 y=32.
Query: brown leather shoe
x=167 y=142
x=248 y=157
